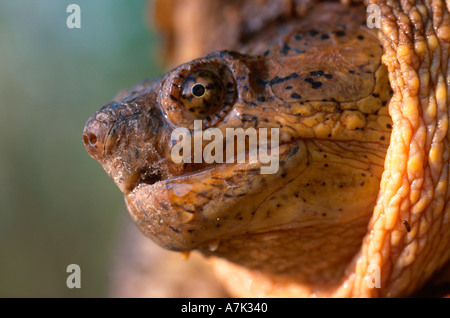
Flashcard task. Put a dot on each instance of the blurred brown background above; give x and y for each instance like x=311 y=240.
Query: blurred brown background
x=57 y=206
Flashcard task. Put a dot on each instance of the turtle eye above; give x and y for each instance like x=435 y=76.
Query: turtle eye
x=201 y=90
x=202 y=93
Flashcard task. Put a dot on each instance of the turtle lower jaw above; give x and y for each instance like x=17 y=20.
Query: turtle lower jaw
x=182 y=212
x=131 y=178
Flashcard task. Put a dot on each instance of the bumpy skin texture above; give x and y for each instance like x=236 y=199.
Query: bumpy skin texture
x=414 y=187
x=330 y=213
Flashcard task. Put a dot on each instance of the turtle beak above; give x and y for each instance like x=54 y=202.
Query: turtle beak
x=127 y=137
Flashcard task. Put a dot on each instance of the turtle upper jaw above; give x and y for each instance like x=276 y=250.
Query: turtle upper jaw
x=127 y=136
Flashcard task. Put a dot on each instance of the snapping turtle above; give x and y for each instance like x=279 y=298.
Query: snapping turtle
x=359 y=204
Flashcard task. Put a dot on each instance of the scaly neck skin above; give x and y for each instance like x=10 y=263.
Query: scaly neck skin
x=313 y=258
x=312 y=253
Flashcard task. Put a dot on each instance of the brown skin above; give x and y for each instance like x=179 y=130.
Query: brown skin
x=320 y=80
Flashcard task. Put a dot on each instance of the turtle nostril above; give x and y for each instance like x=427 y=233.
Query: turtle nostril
x=89 y=139
x=92 y=139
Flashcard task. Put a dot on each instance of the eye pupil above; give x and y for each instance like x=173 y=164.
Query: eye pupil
x=198 y=90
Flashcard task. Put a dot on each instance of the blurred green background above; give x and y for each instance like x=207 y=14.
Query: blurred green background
x=57 y=205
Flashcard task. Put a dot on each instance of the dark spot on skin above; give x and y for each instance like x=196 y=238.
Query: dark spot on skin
x=329 y=76
x=351 y=72
x=296 y=194
x=285 y=49
x=278 y=205
x=309 y=80
x=326 y=165
x=324 y=214
x=163 y=206
x=261 y=99
x=324 y=156
x=299 y=51
x=360 y=37
x=382 y=138
x=407 y=227
x=383 y=103
x=173 y=98
x=288 y=87
x=324 y=184
x=261 y=82
x=206 y=103
x=317 y=73
x=298 y=37
x=340 y=33
x=329 y=135
x=389 y=126
x=174 y=229
x=227 y=195
x=324 y=37
x=376 y=95
x=217 y=225
x=283 y=175
x=362 y=183
x=190 y=231
x=316 y=85
x=313 y=33
x=277 y=80
x=296 y=96
x=250 y=103
x=266 y=53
